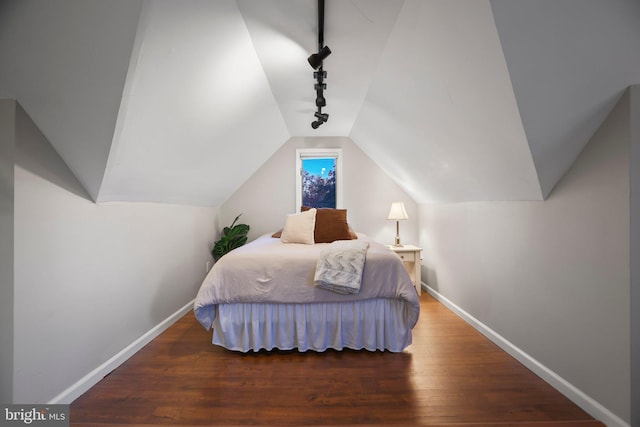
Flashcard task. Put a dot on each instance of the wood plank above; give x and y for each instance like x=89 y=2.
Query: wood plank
x=451 y=375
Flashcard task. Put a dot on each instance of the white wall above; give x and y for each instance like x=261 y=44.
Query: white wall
x=7 y=133
x=550 y=277
x=90 y=279
x=269 y=195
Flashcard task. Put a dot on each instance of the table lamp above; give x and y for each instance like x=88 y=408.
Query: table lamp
x=397 y=212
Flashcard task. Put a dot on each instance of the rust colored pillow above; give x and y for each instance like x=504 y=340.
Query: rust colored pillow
x=277 y=234
x=331 y=225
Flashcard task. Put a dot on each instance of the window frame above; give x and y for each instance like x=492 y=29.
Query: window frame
x=305 y=153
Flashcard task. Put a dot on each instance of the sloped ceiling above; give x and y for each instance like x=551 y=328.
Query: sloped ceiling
x=197 y=115
x=569 y=61
x=181 y=102
x=66 y=63
x=440 y=116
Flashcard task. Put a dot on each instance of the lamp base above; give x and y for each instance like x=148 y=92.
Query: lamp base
x=397 y=242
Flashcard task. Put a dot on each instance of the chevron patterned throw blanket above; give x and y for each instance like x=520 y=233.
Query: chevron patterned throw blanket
x=340 y=266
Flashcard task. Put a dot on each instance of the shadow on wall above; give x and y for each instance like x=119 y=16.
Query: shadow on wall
x=35 y=154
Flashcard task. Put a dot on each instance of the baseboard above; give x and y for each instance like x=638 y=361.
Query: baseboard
x=93 y=377
x=574 y=394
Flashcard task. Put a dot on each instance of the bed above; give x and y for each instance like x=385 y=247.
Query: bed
x=265 y=295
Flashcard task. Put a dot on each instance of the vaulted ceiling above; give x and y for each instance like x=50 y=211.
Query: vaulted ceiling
x=181 y=101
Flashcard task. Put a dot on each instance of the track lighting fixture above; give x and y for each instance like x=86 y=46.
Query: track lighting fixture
x=316 y=61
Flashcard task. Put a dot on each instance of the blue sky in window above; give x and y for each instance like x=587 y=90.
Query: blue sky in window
x=319 y=166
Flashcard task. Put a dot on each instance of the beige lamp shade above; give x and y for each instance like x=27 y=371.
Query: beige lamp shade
x=397 y=211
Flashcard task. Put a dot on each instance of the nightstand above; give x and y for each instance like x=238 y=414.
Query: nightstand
x=411 y=258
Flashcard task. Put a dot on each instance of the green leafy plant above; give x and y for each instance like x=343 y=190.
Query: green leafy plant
x=232 y=237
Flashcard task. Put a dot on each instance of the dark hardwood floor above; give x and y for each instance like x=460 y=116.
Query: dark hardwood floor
x=450 y=375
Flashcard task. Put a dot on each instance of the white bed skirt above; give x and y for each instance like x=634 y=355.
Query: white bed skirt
x=378 y=324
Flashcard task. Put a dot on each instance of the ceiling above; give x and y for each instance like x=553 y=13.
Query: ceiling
x=181 y=102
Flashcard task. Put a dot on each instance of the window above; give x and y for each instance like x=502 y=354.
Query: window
x=319 y=178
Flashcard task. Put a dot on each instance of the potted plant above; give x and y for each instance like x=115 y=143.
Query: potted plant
x=232 y=237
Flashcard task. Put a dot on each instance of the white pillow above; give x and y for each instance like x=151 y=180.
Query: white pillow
x=299 y=228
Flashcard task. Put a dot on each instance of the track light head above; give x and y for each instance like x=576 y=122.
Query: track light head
x=315 y=60
x=322 y=118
